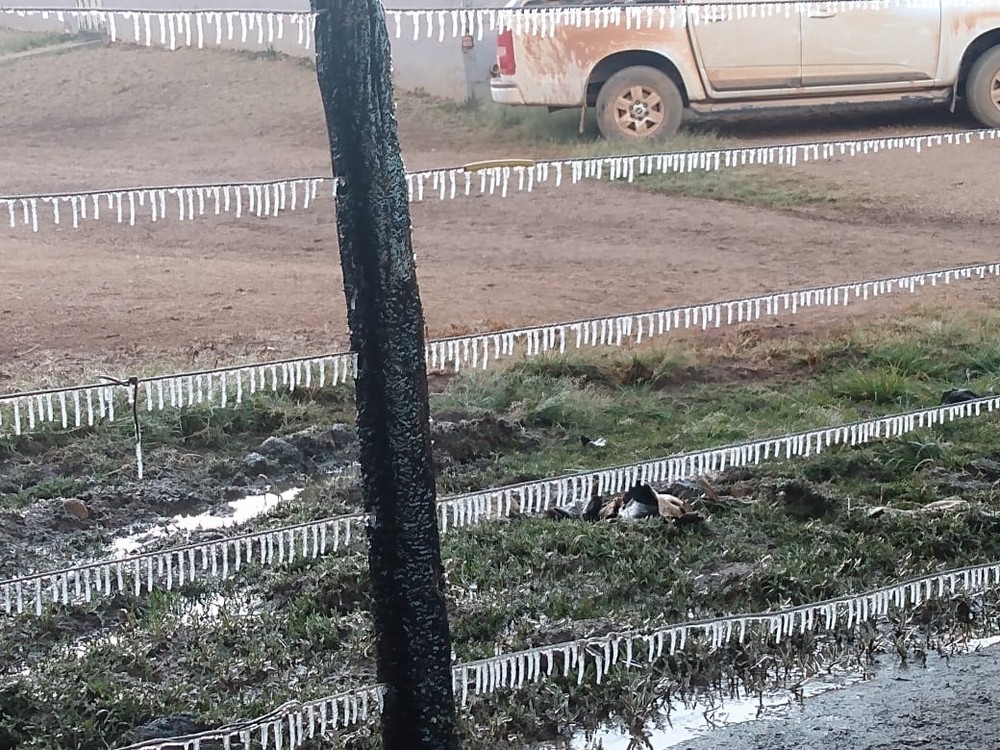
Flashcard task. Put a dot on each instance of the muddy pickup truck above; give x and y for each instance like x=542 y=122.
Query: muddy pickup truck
x=816 y=55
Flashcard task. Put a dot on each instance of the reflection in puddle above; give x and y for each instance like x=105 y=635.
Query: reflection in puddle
x=236 y=512
x=703 y=713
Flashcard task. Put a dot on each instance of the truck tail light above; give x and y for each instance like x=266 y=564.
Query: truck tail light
x=505 y=53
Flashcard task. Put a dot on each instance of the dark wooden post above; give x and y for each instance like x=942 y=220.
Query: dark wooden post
x=386 y=321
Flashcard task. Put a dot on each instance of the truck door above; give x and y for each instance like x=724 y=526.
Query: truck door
x=752 y=54
x=876 y=48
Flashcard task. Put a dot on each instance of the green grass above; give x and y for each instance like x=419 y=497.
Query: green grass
x=270 y=54
x=574 y=573
x=645 y=403
x=785 y=532
x=675 y=398
x=766 y=188
x=12 y=43
x=558 y=132
x=528 y=126
x=104 y=453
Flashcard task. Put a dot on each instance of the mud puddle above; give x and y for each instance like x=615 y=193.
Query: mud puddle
x=678 y=723
x=194 y=493
x=233 y=513
x=823 y=709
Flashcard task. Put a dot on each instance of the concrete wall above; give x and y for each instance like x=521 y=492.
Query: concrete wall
x=441 y=69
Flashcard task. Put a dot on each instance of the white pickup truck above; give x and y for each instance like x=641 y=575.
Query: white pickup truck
x=815 y=55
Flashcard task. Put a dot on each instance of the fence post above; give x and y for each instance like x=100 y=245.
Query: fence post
x=386 y=321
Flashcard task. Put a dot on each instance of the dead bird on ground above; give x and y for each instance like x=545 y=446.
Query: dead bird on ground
x=638 y=502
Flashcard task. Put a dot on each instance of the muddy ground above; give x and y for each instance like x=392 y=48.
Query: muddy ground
x=84 y=520
x=949 y=704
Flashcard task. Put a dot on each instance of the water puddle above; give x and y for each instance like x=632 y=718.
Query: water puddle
x=693 y=719
x=233 y=513
x=698 y=716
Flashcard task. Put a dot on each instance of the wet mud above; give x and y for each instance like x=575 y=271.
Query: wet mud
x=84 y=524
x=950 y=703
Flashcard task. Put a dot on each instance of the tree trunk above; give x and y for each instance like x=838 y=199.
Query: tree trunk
x=386 y=322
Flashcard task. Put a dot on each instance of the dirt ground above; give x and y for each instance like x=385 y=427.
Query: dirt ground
x=121 y=117
x=947 y=705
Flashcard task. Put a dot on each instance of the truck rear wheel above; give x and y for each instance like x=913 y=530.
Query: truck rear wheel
x=639 y=103
x=982 y=88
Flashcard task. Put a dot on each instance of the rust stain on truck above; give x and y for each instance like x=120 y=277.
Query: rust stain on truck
x=810 y=55
x=561 y=65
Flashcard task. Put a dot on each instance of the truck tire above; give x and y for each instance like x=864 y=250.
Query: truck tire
x=639 y=103
x=982 y=88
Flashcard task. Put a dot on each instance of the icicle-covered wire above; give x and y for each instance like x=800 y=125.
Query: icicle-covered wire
x=442 y=23
x=591 y=658
x=481 y=180
x=231 y=385
x=481 y=350
x=201 y=28
x=541 y=495
x=287 y=727
x=69 y=407
x=128 y=206
x=640 y=648
x=85 y=405
x=74 y=406
x=174 y=29
x=141 y=573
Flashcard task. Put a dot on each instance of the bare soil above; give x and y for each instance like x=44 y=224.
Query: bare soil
x=104 y=116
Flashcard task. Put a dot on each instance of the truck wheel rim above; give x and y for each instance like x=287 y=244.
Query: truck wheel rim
x=995 y=90
x=639 y=111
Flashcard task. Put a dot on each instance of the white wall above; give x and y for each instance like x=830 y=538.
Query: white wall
x=442 y=69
